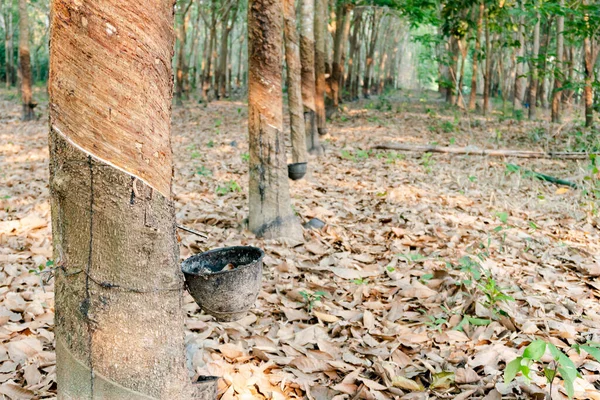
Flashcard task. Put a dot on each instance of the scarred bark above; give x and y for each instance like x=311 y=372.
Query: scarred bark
x=271 y=214
x=292 y=59
x=307 y=59
x=25 y=63
x=119 y=288
x=320 y=84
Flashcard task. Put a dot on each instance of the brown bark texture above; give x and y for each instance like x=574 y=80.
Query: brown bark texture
x=110 y=83
x=119 y=288
x=558 y=78
x=307 y=59
x=292 y=59
x=476 y=57
x=25 y=63
x=271 y=214
x=533 y=84
x=320 y=83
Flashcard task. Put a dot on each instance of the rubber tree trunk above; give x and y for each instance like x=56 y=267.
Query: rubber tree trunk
x=487 y=76
x=271 y=214
x=292 y=59
x=8 y=58
x=207 y=79
x=452 y=69
x=590 y=55
x=342 y=63
x=534 y=70
x=119 y=288
x=371 y=54
x=342 y=15
x=182 y=69
x=25 y=63
x=320 y=30
x=356 y=27
x=476 y=57
x=307 y=59
x=542 y=91
x=557 y=93
x=519 y=87
x=221 y=76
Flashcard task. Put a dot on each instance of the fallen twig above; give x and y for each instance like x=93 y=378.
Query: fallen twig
x=190 y=230
x=475 y=151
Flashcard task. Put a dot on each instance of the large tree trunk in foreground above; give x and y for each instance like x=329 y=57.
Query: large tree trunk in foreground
x=271 y=214
x=119 y=320
x=557 y=94
x=25 y=63
x=292 y=59
x=320 y=86
x=307 y=58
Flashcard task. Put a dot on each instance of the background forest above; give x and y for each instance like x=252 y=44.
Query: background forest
x=450 y=240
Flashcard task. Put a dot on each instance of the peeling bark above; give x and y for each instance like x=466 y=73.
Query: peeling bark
x=119 y=288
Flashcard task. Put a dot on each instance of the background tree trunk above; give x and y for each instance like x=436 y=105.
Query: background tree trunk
x=476 y=57
x=487 y=76
x=307 y=58
x=590 y=54
x=271 y=214
x=519 y=88
x=534 y=70
x=119 y=319
x=292 y=58
x=558 y=78
x=320 y=30
x=25 y=63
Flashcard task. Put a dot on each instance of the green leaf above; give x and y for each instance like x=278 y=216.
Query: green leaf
x=592 y=351
x=535 y=351
x=525 y=370
x=568 y=382
x=512 y=369
x=479 y=321
x=550 y=374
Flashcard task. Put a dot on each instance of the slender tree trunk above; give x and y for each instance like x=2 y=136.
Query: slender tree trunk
x=345 y=36
x=590 y=54
x=341 y=36
x=222 y=68
x=320 y=30
x=519 y=87
x=534 y=69
x=451 y=93
x=240 y=63
x=307 y=58
x=558 y=78
x=353 y=57
x=476 y=57
x=181 y=60
x=194 y=52
x=119 y=288
x=542 y=92
x=271 y=214
x=371 y=53
x=25 y=63
x=207 y=79
x=294 y=74
x=487 y=77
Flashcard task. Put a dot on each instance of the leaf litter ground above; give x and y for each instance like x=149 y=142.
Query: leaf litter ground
x=432 y=273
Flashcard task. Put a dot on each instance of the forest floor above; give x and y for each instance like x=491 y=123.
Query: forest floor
x=432 y=273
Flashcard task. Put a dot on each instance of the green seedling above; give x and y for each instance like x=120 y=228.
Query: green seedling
x=203 y=171
x=311 y=298
x=210 y=144
x=245 y=157
x=230 y=187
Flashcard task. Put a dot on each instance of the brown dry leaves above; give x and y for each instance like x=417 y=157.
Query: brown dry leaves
x=367 y=307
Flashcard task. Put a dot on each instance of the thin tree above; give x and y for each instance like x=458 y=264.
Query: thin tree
x=182 y=67
x=558 y=74
x=119 y=288
x=271 y=214
x=533 y=84
x=476 y=56
x=25 y=63
x=292 y=60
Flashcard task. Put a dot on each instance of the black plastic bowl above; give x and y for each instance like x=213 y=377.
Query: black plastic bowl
x=297 y=171
x=226 y=295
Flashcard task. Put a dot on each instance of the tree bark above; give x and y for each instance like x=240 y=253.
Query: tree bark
x=519 y=88
x=25 y=63
x=229 y=18
x=371 y=53
x=8 y=40
x=557 y=93
x=341 y=36
x=119 y=288
x=476 y=57
x=271 y=214
x=320 y=30
x=487 y=76
x=590 y=54
x=182 y=68
x=212 y=38
x=534 y=69
x=292 y=59
x=353 y=57
x=307 y=58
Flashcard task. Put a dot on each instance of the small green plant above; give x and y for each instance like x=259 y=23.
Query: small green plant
x=493 y=296
x=230 y=187
x=203 y=171
x=447 y=127
x=469 y=320
x=210 y=144
x=560 y=364
x=413 y=257
x=390 y=268
x=195 y=154
x=346 y=155
x=362 y=154
x=311 y=298
x=245 y=157
x=427 y=162
x=360 y=281
x=218 y=122
x=436 y=323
